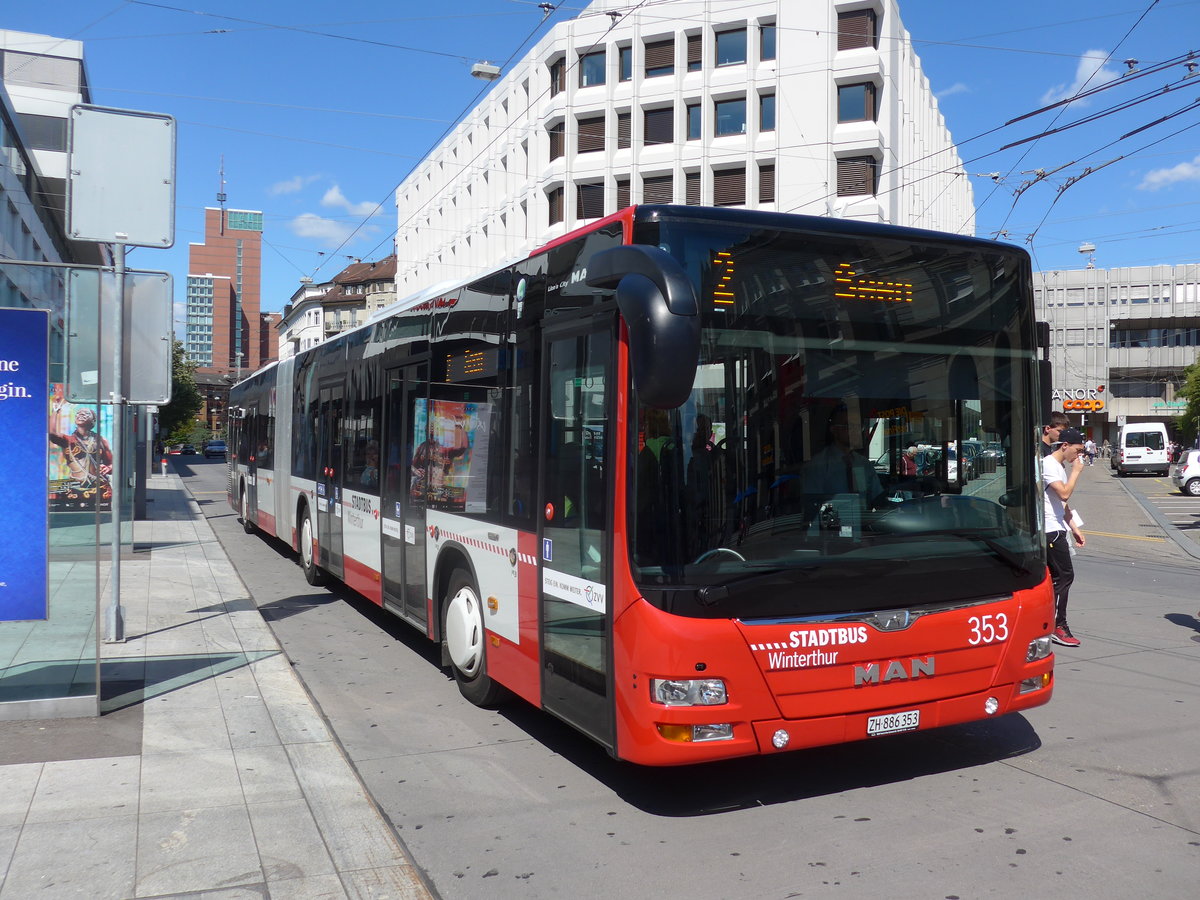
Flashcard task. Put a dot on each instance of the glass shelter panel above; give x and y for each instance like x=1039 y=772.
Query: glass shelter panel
x=49 y=659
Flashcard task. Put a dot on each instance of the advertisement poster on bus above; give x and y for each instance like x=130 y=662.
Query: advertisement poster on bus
x=24 y=370
x=80 y=459
x=449 y=466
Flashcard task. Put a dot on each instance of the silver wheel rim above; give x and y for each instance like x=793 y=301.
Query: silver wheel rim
x=306 y=553
x=464 y=632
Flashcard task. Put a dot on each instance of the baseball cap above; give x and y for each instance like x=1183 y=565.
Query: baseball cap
x=1070 y=436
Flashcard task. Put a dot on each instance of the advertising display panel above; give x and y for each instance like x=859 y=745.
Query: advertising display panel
x=24 y=365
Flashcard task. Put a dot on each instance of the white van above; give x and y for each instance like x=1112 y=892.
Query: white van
x=1142 y=447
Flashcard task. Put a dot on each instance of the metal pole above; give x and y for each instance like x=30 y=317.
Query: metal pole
x=114 y=619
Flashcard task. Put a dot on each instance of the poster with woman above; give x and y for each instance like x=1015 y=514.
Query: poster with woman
x=449 y=466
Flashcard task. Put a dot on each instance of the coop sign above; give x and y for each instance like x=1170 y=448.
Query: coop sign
x=1079 y=399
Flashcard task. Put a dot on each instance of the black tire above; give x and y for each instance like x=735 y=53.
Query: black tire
x=244 y=513
x=1192 y=488
x=465 y=641
x=313 y=573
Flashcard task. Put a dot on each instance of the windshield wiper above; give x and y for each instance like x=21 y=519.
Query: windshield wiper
x=1012 y=560
x=715 y=593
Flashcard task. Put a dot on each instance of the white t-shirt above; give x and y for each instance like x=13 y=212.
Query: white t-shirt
x=1052 y=471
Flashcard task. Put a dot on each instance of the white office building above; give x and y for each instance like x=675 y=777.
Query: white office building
x=1119 y=341
x=817 y=107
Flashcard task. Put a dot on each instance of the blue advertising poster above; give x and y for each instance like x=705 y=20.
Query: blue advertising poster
x=23 y=377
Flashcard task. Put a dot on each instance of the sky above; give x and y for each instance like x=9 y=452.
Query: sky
x=317 y=111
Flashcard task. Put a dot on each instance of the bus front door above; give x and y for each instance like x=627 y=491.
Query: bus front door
x=402 y=513
x=574 y=619
x=329 y=478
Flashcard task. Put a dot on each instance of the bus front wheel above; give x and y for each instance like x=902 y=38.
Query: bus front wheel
x=312 y=572
x=466 y=643
x=244 y=508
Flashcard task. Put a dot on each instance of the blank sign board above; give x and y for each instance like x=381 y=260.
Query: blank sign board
x=92 y=320
x=121 y=182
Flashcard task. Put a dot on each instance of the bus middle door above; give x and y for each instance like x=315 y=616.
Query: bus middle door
x=329 y=478
x=574 y=608
x=402 y=513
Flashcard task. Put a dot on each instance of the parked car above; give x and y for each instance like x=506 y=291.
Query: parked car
x=1142 y=447
x=1186 y=473
x=187 y=450
x=214 y=449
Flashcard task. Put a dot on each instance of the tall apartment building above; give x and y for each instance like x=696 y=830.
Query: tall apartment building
x=223 y=333
x=817 y=107
x=1119 y=340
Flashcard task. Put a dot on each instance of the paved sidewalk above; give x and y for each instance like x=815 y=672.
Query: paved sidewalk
x=233 y=787
x=1118 y=524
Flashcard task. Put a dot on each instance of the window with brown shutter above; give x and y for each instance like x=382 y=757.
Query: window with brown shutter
x=657 y=189
x=857 y=175
x=622 y=193
x=624 y=130
x=766 y=184
x=729 y=187
x=859 y=28
x=659 y=126
x=691 y=188
x=556 y=140
x=558 y=76
x=591 y=134
x=695 y=52
x=589 y=201
x=555 y=198
x=660 y=58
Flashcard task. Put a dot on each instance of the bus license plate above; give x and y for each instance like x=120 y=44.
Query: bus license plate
x=893 y=722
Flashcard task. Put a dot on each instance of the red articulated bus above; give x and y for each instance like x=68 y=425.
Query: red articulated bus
x=657 y=479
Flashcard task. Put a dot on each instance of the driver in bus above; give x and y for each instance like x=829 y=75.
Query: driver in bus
x=840 y=468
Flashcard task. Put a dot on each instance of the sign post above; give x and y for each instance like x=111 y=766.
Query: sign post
x=120 y=190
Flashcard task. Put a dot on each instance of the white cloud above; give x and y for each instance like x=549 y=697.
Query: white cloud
x=328 y=232
x=292 y=185
x=1160 y=178
x=1090 y=71
x=335 y=198
x=957 y=88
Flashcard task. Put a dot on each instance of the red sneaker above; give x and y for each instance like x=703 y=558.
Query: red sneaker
x=1062 y=635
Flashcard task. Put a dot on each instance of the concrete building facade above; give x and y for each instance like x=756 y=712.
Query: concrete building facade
x=818 y=108
x=1119 y=341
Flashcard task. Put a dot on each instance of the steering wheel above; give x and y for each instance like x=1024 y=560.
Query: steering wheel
x=708 y=554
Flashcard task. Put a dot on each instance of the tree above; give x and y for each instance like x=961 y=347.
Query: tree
x=1187 y=424
x=180 y=413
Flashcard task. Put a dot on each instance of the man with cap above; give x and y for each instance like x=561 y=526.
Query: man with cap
x=1059 y=485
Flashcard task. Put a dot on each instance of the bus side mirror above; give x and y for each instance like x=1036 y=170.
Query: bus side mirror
x=657 y=302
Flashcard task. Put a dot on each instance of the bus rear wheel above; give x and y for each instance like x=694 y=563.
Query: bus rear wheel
x=465 y=641
x=312 y=572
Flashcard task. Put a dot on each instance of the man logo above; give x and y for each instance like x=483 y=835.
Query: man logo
x=896 y=671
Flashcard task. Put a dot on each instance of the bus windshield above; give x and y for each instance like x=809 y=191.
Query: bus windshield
x=828 y=458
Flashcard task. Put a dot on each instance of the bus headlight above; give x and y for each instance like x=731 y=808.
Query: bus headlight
x=1039 y=648
x=688 y=691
